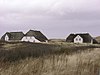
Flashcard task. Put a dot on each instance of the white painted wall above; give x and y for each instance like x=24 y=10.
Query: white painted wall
x=78 y=39
x=91 y=41
x=29 y=39
x=6 y=38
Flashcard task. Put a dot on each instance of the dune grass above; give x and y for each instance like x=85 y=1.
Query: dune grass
x=49 y=59
x=83 y=63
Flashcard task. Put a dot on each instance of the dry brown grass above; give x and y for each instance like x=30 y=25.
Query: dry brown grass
x=83 y=63
x=14 y=51
x=49 y=59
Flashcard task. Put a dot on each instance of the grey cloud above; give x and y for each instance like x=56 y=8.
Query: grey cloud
x=56 y=18
x=55 y=9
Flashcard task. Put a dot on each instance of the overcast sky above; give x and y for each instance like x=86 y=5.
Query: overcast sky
x=55 y=18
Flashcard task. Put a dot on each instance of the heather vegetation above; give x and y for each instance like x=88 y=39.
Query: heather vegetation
x=57 y=58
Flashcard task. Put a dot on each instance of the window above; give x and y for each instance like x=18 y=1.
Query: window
x=76 y=39
x=79 y=39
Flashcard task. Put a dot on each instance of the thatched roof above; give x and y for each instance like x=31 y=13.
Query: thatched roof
x=70 y=38
x=37 y=34
x=86 y=38
x=13 y=35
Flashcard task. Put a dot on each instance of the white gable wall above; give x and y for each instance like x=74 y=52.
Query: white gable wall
x=6 y=38
x=78 y=39
x=29 y=39
x=91 y=41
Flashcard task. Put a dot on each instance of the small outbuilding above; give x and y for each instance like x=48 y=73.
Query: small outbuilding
x=81 y=38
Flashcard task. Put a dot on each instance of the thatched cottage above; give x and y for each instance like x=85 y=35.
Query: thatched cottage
x=81 y=38
x=34 y=36
x=12 y=36
x=30 y=36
